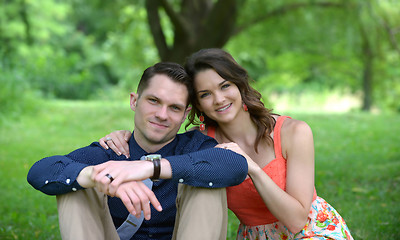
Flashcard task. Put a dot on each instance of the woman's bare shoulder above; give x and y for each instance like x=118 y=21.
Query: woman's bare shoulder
x=295 y=128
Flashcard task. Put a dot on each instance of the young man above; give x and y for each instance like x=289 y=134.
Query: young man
x=97 y=189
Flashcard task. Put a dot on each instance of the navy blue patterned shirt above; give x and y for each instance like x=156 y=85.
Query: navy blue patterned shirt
x=194 y=161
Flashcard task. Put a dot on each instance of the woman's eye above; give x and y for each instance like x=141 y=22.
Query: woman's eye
x=225 y=86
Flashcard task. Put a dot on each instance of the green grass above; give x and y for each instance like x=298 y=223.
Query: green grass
x=357 y=164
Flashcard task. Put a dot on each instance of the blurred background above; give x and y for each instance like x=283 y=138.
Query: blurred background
x=67 y=67
x=345 y=51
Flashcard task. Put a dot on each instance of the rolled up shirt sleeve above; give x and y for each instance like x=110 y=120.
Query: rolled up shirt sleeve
x=210 y=168
x=57 y=174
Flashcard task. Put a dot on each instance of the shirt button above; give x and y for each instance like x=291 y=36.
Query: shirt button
x=74 y=189
x=181 y=180
x=210 y=184
x=68 y=180
x=46 y=182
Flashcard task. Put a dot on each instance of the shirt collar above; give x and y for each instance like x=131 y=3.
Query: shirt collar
x=137 y=152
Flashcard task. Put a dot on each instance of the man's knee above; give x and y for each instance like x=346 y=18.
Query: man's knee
x=82 y=197
x=84 y=214
x=202 y=212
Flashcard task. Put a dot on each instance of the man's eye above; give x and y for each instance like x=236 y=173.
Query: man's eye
x=152 y=100
x=175 y=108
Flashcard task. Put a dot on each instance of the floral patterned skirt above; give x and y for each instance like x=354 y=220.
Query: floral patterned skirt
x=324 y=222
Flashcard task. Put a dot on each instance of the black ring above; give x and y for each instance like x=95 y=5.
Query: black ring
x=110 y=177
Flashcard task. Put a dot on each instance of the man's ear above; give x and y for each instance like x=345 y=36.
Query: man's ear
x=133 y=101
x=187 y=111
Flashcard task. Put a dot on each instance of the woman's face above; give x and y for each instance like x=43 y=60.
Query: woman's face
x=218 y=98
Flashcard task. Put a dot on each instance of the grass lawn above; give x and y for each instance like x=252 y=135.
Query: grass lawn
x=357 y=164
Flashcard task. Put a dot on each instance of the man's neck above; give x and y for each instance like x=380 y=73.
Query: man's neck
x=150 y=147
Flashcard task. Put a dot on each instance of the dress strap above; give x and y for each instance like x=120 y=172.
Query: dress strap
x=211 y=131
x=277 y=136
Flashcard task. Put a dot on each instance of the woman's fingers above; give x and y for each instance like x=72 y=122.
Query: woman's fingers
x=118 y=142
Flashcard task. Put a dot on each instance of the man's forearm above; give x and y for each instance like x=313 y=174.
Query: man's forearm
x=84 y=178
x=55 y=175
x=210 y=168
x=166 y=170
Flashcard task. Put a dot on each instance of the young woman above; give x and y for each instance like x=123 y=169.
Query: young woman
x=278 y=200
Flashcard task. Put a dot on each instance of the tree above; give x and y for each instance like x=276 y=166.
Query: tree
x=197 y=25
x=207 y=23
x=290 y=43
x=378 y=37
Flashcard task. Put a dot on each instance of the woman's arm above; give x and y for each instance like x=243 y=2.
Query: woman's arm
x=291 y=207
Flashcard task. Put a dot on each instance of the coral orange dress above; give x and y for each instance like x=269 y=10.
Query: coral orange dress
x=257 y=222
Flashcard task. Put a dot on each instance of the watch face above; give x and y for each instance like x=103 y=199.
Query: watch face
x=151 y=157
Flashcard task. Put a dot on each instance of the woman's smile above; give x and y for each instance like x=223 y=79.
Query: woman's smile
x=222 y=109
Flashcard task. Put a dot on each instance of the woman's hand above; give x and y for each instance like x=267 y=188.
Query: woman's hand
x=252 y=166
x=117 y=141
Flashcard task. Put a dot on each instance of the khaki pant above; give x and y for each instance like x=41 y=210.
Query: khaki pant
x=201 y=214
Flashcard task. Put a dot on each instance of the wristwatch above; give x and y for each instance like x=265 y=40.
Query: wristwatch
x=155 y=158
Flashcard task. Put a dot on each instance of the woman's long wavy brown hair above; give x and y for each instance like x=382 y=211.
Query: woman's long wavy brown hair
x=226 y=66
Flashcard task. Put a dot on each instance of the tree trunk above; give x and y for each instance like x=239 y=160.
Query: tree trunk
x=24 y=16
x=206 y=24
x=197 y=26
x=368 y=70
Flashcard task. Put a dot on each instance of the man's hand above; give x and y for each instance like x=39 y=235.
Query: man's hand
x=137 y=197
x=110 y=175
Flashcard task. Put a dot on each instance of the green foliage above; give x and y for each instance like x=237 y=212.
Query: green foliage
x=319 y=48
x=55 y=74
x=77 y=48
x=292 y=57
x=129 y=48
x=93 y=49
x=388 y=79
x=16 y=94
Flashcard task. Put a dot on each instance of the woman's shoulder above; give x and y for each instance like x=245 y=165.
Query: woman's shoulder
x=295 y=128
x=295 y=135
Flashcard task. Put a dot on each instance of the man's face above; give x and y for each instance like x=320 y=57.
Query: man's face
x=159 y=112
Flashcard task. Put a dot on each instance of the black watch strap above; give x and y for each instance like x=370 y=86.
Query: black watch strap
x=156 y=159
